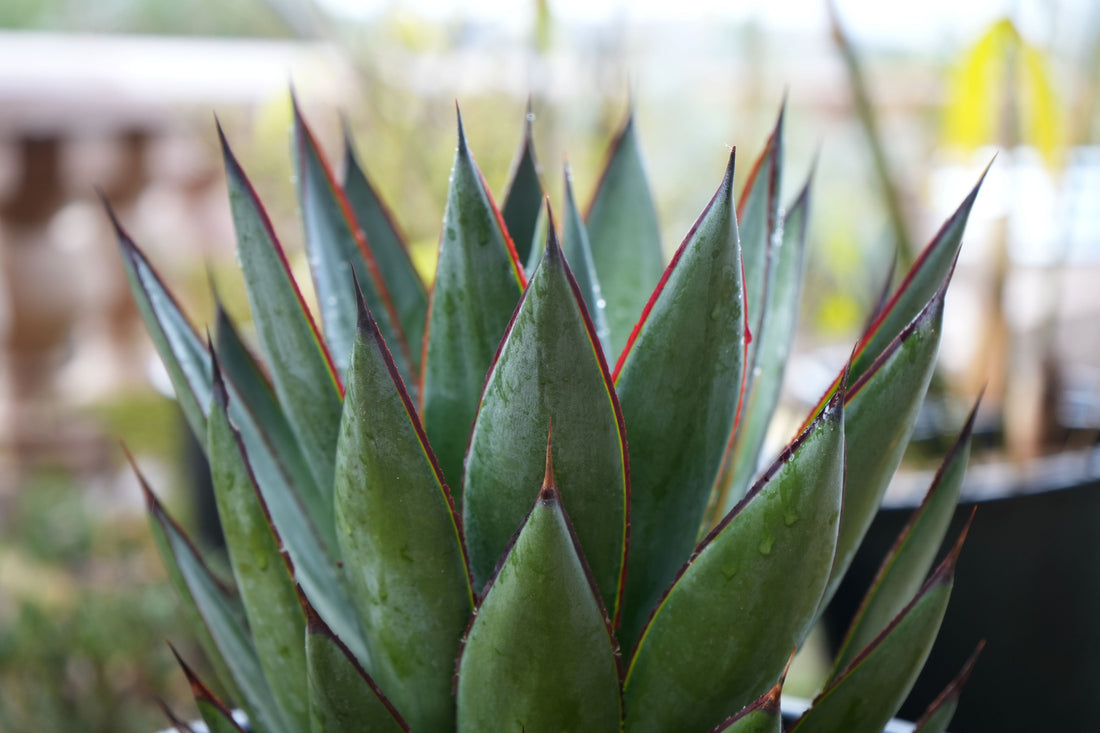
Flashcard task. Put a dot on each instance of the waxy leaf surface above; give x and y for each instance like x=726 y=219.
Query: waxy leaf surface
x=263 y=578
x=524 y=198
x=679 y=383
x=538 y=655
x=772 y=340
x=223 y=633
x=181 y=351
x=578 y=253
x=477 y=283
x=391 y=255
x=930 y=270
x=218 y=717
x=278 y=462
x=722 y=635
x=254 y=410
x=550 y=372
x=938 y=715
x=760 y=231
x=761 y=716
x=873 y=687
x=337 y=246
x=342 y=696
x=400 y=538
x=303 y=376
x=904 y=569
x=880 y=414
x=920 y=285
x=625 y=236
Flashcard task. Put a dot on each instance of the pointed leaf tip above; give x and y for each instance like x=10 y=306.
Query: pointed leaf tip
x=198 y=688
x=553 y=245
x=947 y=568
x=217 y=386
x=549 y=485
x=461 y=130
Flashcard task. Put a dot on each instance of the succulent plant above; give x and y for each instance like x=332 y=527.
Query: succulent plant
x=501 y=530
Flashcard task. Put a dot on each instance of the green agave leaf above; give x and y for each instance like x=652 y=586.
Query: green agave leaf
x=936 y=718
x=679 y=383
x=337 y=246
x=303 y=374
x=401 y=538
x=578 y=253
x=342 y=696
x=758 y=221
x=625 y=236
x=905 y=567
x=539 y=654
x=870 y=691
x=523 y=201
x=925 y=277
x=920 y=284
x=772 y=340
x=222 y=631
x=184 y=355
x=881 y=411
x=391 y=254
x=549 y=371
x=263 y=578
x=477 y=283
x=264 y=429
x=214 y=712
x=537 y=241
x=723 y=633
x=761 y=716
x=314 y=568
x=254 y=409
x=175 y=720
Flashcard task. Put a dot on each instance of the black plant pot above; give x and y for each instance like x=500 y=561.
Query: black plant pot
x=1028 y=582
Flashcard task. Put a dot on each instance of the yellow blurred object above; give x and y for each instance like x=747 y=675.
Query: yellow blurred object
x=1001 y=93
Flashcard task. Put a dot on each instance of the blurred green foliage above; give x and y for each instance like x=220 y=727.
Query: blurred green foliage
x=194 y=17
x=84 y=613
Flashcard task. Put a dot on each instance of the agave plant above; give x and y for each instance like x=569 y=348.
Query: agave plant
x=501 y=530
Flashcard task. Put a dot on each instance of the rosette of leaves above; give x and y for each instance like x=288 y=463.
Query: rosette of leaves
x=531 y=498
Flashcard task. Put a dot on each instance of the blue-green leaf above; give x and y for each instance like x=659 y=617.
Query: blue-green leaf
x=338 y=246
x=872 y=688
x=881 y=411
x=758 y=220
x=578 y=253
x=400 y=537
x=254 y=410
x=222 y=633
x=905 y=567
x=539 y=653
x=761 y=716
x=523 y=199
x=262 y=575
x=550 y=371
x=920 y=285
x=342 y=696
x=184 y=355
x=390 y=253
x=725 y=630
x=772 y=340
x=679 y=383
x=625 y=236
x=214 y=712
x=477 y=284
x=938 y=715
x=303 y=374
